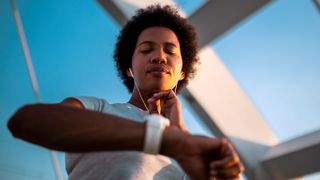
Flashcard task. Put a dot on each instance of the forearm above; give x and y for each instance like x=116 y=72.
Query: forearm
x=75 y=130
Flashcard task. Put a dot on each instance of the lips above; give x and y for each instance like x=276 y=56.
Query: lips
x=158 y=69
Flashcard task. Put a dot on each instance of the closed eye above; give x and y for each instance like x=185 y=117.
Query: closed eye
x=145 y=51
x=171 y=51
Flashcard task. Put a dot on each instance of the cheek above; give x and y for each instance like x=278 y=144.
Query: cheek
x=136 y=60
x=177 y=64
x=138 y=64
x=139 y=59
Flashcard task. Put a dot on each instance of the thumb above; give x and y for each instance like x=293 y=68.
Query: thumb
x=153 y=108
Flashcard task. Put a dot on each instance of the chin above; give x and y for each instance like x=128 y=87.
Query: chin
x=158 y=88
x=159 y=85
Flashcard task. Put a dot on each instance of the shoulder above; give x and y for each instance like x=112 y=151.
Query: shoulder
x=85 y=102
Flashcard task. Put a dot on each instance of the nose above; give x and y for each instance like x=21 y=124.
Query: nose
x=159 y=57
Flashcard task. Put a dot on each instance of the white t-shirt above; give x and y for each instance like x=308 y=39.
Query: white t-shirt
x=120 y=165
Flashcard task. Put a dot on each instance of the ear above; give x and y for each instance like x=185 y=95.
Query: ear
x=182 y=76
x=128 y=73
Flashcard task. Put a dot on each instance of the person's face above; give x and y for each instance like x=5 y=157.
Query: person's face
x=156 y=61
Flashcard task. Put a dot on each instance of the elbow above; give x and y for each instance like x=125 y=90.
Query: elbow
x=29 y=123
x=17 y=124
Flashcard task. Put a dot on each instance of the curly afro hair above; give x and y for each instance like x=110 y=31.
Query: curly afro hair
x=156 y=15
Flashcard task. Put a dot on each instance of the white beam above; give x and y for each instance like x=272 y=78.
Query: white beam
x=316 y=3
x=122 y=10
x=226 y=110
x=294 y=158
x=218 y=16
x=115 y=11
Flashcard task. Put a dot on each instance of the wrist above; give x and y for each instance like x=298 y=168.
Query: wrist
x=172 y=141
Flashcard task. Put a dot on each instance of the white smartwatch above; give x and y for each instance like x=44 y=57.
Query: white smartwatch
x=154 y=130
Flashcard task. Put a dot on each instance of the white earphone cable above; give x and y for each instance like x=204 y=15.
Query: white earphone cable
x=145 y=105
x=135 y=84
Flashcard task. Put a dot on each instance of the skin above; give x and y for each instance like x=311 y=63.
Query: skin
x=158 y=47
x=68 y=127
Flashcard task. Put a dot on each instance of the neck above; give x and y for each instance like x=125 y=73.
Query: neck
x=138 y=101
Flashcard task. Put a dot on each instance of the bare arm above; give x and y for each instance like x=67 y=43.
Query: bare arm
x=69 y=127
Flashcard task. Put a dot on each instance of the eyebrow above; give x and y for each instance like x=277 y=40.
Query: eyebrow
x=151 y=42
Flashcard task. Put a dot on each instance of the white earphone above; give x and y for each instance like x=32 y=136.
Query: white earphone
x=131 y=72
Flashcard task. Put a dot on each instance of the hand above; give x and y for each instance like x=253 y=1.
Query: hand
x=169 y=107
x=229 y=166
x=210 y=158
x=203 y=157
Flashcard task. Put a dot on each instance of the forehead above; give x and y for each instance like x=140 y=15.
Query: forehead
x=158 y=35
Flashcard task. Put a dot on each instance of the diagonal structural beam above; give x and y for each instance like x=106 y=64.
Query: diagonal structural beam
x=122 y=10
x=217 y=17
x=294 y=158
x=316 y=3
x=114 y=11
x=226 y=110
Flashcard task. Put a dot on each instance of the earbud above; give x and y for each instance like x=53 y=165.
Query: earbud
x=131 y=73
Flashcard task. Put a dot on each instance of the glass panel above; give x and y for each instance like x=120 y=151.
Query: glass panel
x=274 y=56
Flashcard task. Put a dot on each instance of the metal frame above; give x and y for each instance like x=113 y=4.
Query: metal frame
x=224 y=14
x=296 y=157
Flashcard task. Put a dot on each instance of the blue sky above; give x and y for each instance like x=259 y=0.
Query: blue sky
x=274 y=55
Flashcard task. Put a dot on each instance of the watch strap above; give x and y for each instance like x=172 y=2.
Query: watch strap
x=155 y=125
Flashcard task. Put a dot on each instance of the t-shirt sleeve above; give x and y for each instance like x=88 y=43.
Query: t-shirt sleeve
x=92 y=103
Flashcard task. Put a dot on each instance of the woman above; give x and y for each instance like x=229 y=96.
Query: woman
x=145 y=138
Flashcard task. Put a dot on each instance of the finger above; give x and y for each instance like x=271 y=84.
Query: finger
x=152 y=103
x=228 y=154
x=165 y=95
x=167 y=98
x=235 y=178
x=225 y=162
x=238 y=166
x=232 y=172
